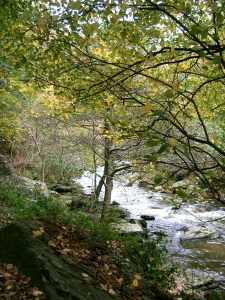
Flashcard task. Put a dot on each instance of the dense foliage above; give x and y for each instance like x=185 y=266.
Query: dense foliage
x=154 y=70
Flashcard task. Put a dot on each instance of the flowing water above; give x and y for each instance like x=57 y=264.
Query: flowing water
x=204 y=258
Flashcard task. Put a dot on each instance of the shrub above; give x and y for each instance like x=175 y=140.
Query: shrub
x=22 y=205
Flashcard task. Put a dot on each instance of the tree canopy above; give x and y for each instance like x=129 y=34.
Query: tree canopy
x=164 y=61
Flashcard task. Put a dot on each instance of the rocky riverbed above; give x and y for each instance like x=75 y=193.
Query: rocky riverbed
x=194 y=231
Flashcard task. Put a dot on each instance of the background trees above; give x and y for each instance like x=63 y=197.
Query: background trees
x=163 y=61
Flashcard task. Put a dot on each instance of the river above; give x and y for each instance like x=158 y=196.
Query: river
x=202 y=257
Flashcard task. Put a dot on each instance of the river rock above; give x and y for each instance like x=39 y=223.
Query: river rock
x=143 y=223
x=199 y=232
x=53 y=195
x=147 y=218
x=115 y=203
x=181 y=183
x=127 y=227
x=59 y=188
x=158 y=188
x=5 y=168
x=67 y=199
x=180 y=175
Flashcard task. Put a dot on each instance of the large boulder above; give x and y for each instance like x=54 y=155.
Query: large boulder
x=199 y=232
x=8 y=177
x=59 y=188
x=27 y=183
x=5 y=168
x=180 y=184
x=147 y=218
x=126 y=227
x=51 y=274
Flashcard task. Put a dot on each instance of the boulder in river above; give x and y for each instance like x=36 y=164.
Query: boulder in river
x=148 y=218
x=181 y=183
x=158 y=188
x=199 y=232
x=59 y=188
x=127 y=227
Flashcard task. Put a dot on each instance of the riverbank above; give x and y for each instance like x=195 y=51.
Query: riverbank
x=122 y=266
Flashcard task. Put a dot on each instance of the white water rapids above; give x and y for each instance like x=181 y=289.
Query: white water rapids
x=206 y=257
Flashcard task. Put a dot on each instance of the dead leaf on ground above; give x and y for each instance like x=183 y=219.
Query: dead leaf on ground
x=104 y=286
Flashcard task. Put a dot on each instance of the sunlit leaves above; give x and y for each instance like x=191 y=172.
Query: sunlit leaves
x=147 y=107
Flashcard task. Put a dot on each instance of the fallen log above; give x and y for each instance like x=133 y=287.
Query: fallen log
x=20 y=246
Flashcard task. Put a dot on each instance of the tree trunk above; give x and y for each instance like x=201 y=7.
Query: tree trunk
x=107 y=163
x=108 y=173
x=100 y=185
x=107 y=196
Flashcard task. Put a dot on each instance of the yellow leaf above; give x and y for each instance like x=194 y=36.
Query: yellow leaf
x=10 y=282
x=59 y=237
x=7 y=275
x=135 y=283
x=147 y=107
x=172 y=142
x=155 y=88
x=106 y=267
x=179 y=7
x=137 y=276
x=176 y=86
x=37 y=233
x=9 y=287
x=9 y=267
x=162 y=43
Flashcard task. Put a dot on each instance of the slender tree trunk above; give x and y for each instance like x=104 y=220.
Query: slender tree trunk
x=100 y=185
x=107 y=196
x=108 y=174
x=106 y=164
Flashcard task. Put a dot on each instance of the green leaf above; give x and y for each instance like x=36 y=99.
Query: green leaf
x=216 y=59
x=204 y=33
x=202 y=53
x=163 y=149
x=151 y=158
x=220 y=19
x=186 y=149
x=205 y=68
x=154 y=158
x=135 y=39
x=123 y=34
x=195 y=29
x=169 y=93
x=181 y=194
x=158 y=112
x=152 y=143
x=158 y=180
